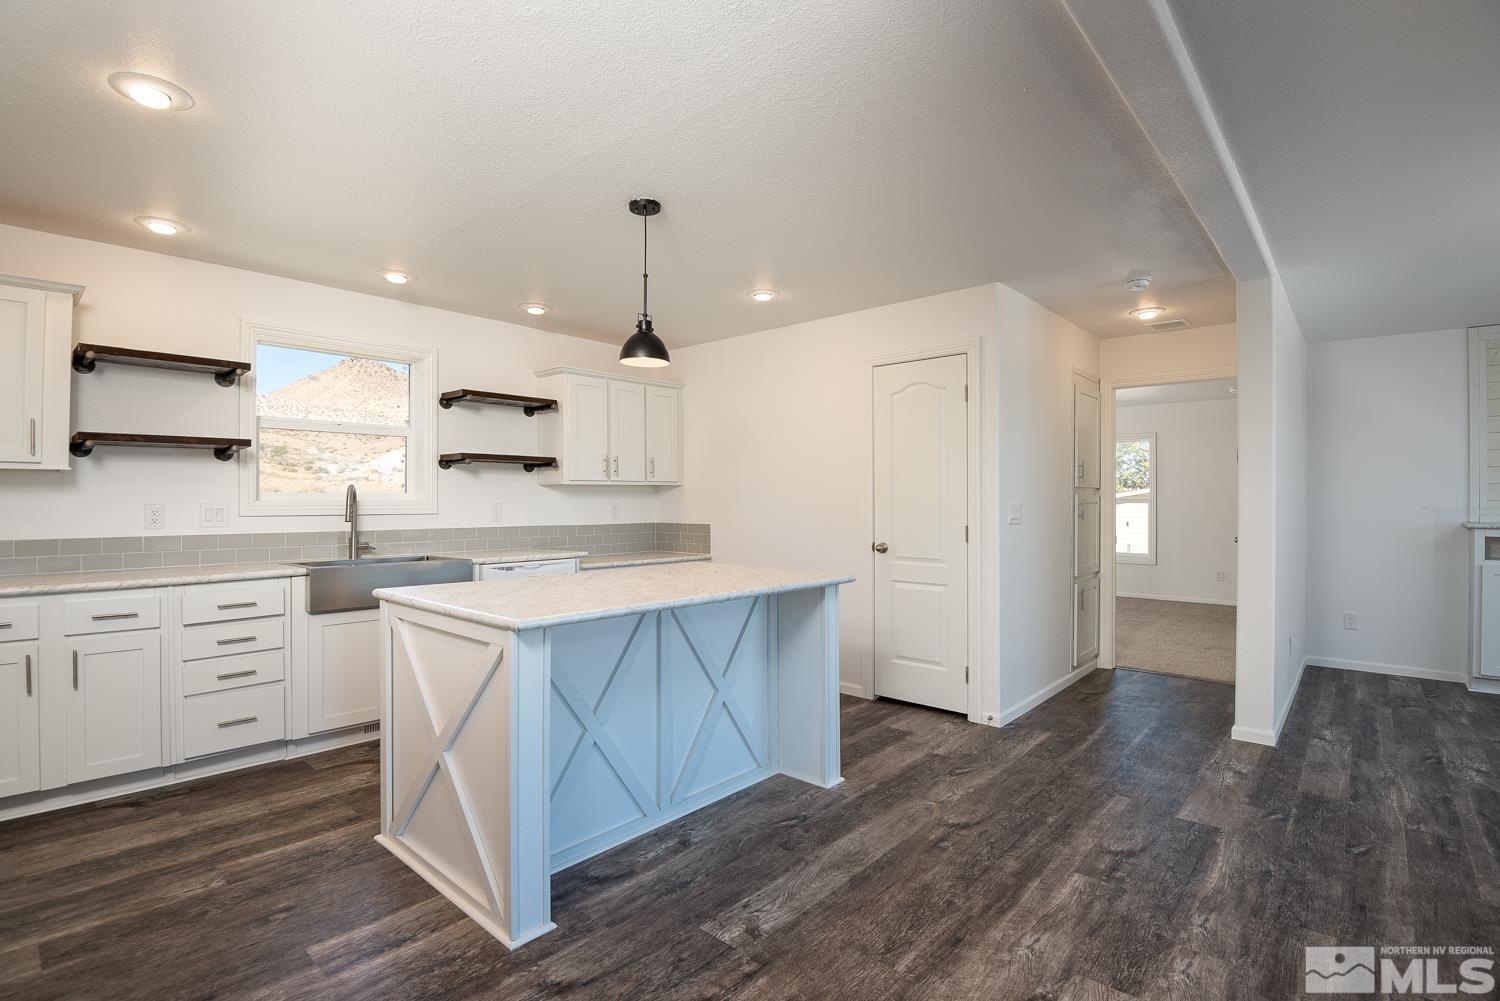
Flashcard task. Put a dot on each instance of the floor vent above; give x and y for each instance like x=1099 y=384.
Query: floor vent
x=1165 y=325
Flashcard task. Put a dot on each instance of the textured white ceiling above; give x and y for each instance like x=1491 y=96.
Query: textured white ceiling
x=847 y=154
x=1368 y=134
x=1177 y=392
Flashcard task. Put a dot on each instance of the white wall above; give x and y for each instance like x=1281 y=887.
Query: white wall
x=778 y=440
x=1128 y=360
x=1195 y=502
x=1291 y=500
x=146 y=300
x=1388 y=479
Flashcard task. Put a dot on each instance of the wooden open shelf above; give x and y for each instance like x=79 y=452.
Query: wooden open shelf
x=528 y=462
x=225 y=373
x=83 y=443
x=529 y=405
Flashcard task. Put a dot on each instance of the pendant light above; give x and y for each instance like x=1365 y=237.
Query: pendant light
x=644 y=349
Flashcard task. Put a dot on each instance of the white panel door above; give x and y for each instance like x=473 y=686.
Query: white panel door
x=663 y=435
x=627 y=432
x=588 y=452
x=921 y=506
x=20 y=716
x=22 y=336
x=343 y=669
x=1086 y=535
x=1085 y=621
x=1085 y=435
x=114 y=704
x=1489 y=620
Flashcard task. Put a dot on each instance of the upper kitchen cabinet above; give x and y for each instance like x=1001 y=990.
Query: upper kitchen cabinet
x=36 y=336
x=610 y=429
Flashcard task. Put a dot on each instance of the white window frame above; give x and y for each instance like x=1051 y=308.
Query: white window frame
x=421 y=453
x=1148 y=558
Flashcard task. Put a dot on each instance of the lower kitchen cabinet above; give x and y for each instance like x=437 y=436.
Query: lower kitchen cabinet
x=114 y=703
x=343 y=669
x=20 y=720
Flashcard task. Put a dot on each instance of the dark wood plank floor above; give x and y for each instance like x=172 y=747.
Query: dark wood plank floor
x=1112 y=844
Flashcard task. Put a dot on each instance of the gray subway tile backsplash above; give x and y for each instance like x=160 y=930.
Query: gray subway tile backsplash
x=29 y=556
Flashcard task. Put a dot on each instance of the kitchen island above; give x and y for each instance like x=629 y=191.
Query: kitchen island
x=530 y=724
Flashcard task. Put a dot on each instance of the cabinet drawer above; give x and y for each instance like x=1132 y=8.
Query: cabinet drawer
x=222 y=721
x=223 y=673
x=224 y=604
x=223 y=639
x=17 y=622
x=139 y=610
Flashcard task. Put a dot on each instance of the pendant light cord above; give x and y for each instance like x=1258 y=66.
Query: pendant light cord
x=645 y=237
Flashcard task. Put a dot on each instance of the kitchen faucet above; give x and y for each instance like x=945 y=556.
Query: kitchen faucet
x=351 y=515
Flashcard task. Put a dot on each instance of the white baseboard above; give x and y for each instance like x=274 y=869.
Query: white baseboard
x=1176 y=597
x=1395 y=670
x=853 y=688
x=1026 y=705
x=1253 y=735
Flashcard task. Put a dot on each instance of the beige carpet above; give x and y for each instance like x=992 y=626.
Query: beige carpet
x=1175 y=637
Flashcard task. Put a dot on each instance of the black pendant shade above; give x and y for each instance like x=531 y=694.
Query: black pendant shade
x=644 y=349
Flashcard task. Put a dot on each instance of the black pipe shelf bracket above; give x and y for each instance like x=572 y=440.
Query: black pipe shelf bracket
x=83 y=443
x=529 y=405
x=527 y=462
x=86 y=358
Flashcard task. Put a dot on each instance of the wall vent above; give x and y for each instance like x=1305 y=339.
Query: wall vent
x=1164 y=325
x=372 y=728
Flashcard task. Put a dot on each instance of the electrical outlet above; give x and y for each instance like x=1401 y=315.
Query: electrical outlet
x=614 y=511
x=213 y=516
x=1013 y=513
x=497 y=512
x=156 y=517
x=1351 y=620
x=1219 y=576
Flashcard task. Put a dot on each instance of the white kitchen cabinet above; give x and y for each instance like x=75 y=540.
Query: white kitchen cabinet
x=627 y=432
x=343 y=669
x=663 y=434
x=20 y=719
x=114 y=703
x=610 y=429
x=36 y=337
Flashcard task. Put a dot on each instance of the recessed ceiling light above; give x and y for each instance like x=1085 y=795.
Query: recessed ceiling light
x=536 y=308
x=395 y=277
x=160 y=226
x=150 y=92
x=764 y=294
x=1146 y=313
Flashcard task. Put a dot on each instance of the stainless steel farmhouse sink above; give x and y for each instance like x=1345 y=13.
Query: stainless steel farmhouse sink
x=346 y=585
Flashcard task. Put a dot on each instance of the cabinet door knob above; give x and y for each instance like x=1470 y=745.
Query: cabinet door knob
x=881 y=547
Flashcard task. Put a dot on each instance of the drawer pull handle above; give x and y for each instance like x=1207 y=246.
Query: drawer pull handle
x=75 y=670
x=238 y=722
x=4 y=625
x=235 y=674
x=111 y=616
x=28 y=675
x=236 y=639
x=238 y=604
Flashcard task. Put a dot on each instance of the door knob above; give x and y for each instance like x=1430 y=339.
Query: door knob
x=880 y=547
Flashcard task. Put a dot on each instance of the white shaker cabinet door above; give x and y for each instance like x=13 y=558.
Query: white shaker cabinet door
x=20 y=716
x=22 y=340
x=663 y=434
x=627 y=432
x=114 y=704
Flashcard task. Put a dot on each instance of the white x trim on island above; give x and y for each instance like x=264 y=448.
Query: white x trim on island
x=534 y=723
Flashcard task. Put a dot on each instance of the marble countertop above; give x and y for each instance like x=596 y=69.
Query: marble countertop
x=118 y=580
x=485 y=556
x=534 y=602
x=610 y=561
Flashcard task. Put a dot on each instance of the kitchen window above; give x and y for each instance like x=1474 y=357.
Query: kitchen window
x=325 y=412
x=1135 y=498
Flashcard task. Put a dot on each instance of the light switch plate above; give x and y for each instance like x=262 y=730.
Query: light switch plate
x=497 y=512
x=1013 y=513
x=213 y=515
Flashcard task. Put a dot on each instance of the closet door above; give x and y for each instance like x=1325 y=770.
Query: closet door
x=1085 y=435
x=1086 y=535
x=1085 y=621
